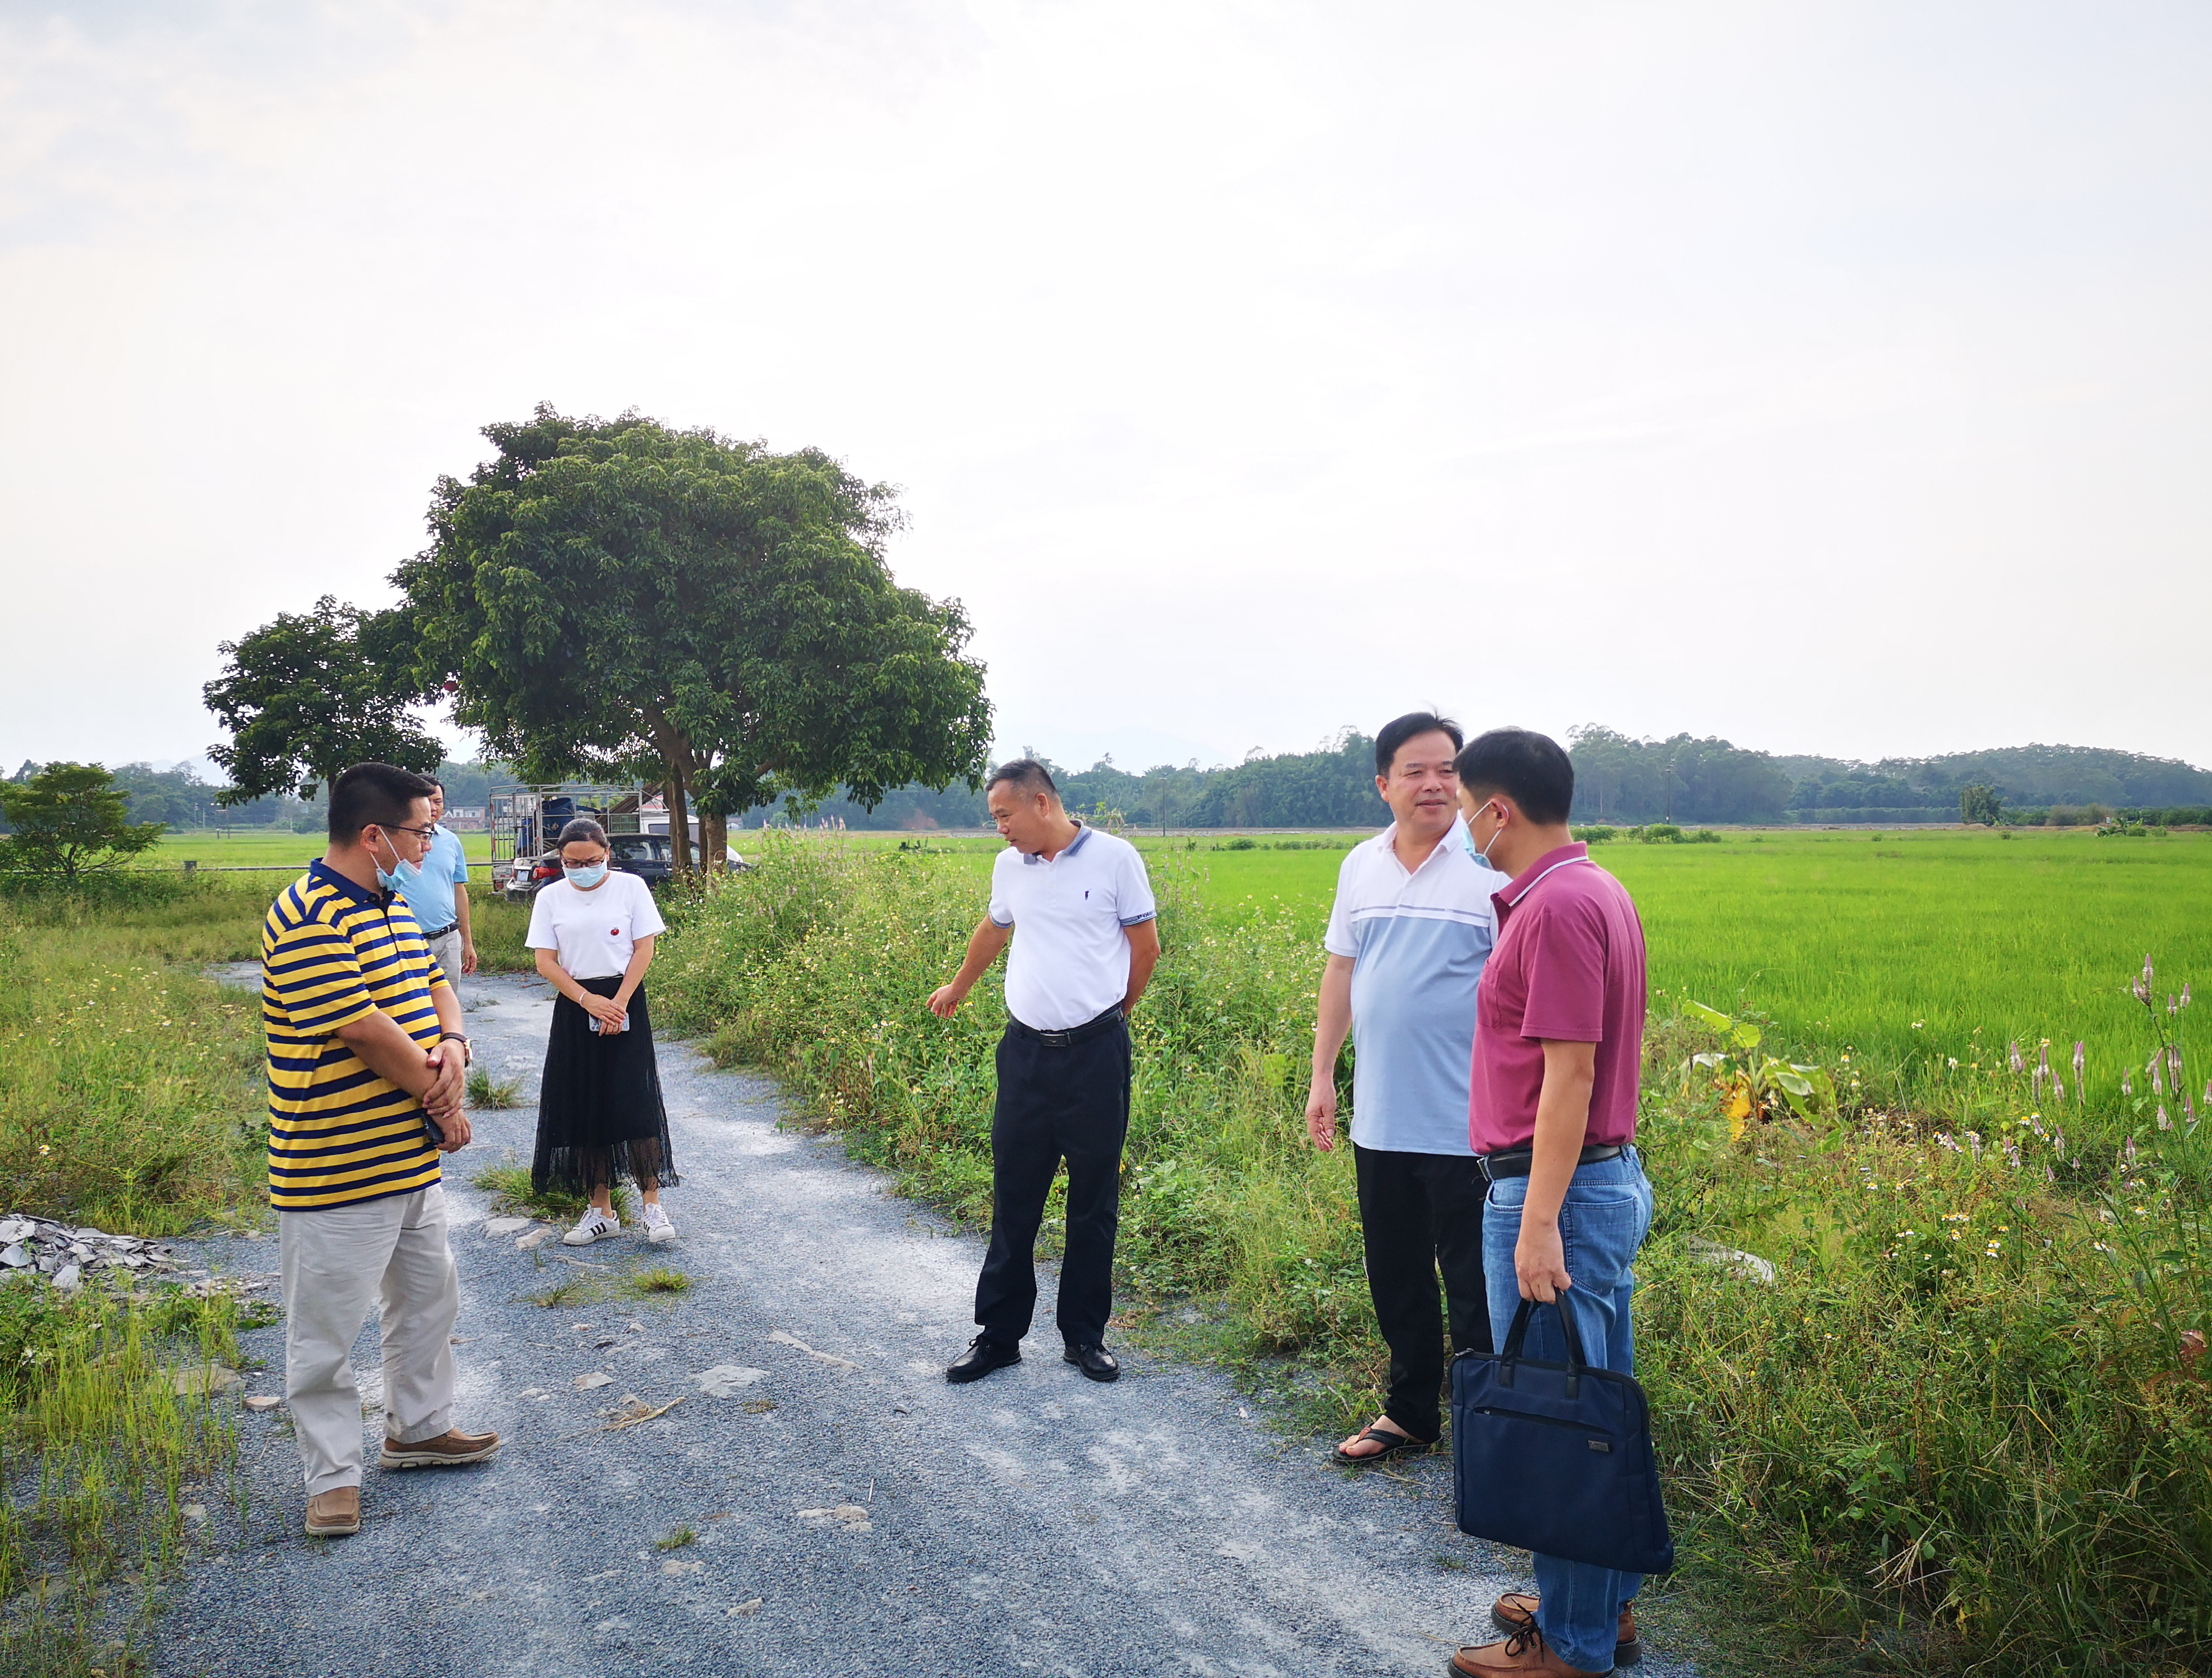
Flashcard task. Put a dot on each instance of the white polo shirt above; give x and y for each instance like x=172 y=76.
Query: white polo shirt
x=1419 y=941
x=1070 y=959
x=593 y=933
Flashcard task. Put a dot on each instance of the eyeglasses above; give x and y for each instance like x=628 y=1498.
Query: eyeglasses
x=425 y=833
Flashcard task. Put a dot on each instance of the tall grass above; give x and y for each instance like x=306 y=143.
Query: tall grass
x=130 y=1099
x=129 y=1085
x=1967 y=1428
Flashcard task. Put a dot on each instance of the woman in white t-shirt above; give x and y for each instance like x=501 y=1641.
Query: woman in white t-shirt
x=599 y=1114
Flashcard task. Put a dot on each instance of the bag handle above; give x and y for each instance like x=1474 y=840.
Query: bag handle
x=1516 y=1336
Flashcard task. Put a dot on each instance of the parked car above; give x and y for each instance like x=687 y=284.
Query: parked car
x=648 y=856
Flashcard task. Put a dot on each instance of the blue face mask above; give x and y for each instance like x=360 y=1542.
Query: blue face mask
x=404 y=876
x=1482 y=854
x=585 y=879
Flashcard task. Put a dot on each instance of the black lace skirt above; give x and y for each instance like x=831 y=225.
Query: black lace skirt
x=600 y=1119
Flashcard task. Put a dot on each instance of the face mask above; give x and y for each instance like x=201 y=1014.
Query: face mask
x=404 y=875
x=585 y=879
x=1482 y=853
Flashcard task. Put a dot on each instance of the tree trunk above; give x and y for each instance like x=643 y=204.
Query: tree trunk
x=679 y=821
x=714 y=843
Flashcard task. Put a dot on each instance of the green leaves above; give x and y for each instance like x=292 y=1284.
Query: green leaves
x=617 y=596
x=305 y=697
x=71 y=822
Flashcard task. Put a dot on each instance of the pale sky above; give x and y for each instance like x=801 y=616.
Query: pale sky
x=1830 y=377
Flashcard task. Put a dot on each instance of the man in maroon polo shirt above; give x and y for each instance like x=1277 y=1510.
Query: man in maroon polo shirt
x=1559 y=1042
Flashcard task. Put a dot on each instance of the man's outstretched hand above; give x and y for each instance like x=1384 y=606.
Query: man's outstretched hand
x=945 y=1001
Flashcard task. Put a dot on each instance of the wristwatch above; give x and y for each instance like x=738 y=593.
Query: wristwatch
x=468 y=1055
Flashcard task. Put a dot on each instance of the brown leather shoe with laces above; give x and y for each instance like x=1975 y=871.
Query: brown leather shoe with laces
x=1523 y=1654
x=1518 y=1608
x=335 y=1513
x=449 y=1449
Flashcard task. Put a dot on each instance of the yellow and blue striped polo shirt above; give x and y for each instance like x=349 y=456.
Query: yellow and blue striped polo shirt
x=332 y=953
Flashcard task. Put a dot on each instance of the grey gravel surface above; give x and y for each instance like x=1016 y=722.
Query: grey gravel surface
x=853 y=1512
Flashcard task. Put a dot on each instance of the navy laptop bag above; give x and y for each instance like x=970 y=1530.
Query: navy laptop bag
x=1557 y=1458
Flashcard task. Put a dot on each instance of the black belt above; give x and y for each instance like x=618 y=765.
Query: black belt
x=443 y=930
x=1074 y=1034
x=1515 y=1162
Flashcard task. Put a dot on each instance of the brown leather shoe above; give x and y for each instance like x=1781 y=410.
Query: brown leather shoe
x=335 y=1513
x=449 y=1449
x=1523 y=1654
x=1518 y=1608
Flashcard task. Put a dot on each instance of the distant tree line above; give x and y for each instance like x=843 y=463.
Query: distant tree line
x=1618 y=780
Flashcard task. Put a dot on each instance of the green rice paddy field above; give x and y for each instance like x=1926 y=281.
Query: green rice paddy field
x=1845 y=940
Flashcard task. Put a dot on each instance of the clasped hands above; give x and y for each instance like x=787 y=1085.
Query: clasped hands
x=607 y=1014
x=443 y=1101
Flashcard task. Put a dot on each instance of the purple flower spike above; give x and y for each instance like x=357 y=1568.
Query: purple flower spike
x=2184 y=993
x=2043 y=1056
x=2126 y=1088
x=2058 y=1145
x=1974 y=1141
x=2129 y=1151
x=2057 y=1088
x=2164 y=1122
x=2018 y=1065
x=2077 y=1060
x=2157 y=1084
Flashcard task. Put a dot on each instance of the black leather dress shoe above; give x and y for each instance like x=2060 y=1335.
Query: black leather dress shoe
x=1095 y=1361
x=983 y=1355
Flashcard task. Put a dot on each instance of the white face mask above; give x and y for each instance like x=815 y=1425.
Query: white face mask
x=586 y=878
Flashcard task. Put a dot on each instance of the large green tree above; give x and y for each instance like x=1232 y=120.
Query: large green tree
x=305 y=696
x=620 y=596
x=71 y=823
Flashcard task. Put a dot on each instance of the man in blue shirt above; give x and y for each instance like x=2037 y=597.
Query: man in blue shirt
x=1407 y=937
x=438 y=895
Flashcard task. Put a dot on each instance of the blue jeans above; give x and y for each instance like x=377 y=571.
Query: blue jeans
x=1604 y=1219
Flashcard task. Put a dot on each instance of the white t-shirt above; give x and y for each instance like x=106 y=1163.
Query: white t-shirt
x=593 y=933
x=1070 y=960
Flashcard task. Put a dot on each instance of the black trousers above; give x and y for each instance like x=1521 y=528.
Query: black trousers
x=1071 y=1103
x=1422 y=1213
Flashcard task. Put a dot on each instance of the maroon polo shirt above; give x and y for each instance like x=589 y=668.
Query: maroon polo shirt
x=1568 y=965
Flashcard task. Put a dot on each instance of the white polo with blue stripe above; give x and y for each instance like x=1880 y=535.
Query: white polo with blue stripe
x=1071 y=916
x=1418 y=941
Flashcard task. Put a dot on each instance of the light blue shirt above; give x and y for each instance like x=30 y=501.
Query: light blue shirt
x=1418 y=941
x=431 y=898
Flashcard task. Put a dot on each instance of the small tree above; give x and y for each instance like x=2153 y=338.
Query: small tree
x=304 y=698
x=1980 y=803
x=71 y=822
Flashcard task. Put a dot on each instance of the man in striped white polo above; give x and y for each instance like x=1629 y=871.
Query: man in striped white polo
x=1407 y=937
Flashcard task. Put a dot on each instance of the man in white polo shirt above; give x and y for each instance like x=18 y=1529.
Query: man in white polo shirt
x=1078 y=909
x=1411 y=928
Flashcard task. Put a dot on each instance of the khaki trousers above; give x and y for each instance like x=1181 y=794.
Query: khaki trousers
x=335 y=1259
x=446 y=950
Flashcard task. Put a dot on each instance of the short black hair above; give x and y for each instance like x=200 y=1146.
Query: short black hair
x=1529 y=767
x=435 y=781
x=373 y=795
x=582 y=830
x=1023 y=774
x=1399 y=730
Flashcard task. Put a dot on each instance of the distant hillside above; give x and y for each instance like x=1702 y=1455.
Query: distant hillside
x=1712 y=781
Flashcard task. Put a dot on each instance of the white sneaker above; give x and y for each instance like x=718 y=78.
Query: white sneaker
x=658 y=1229
x=596 y=1225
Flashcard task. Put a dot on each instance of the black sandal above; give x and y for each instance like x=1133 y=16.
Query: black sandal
x=1394 y=1445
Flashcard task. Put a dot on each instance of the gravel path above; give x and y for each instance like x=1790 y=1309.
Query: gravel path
x=853 y=1512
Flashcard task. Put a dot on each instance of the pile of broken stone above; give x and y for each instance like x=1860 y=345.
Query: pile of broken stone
x=39 y=1247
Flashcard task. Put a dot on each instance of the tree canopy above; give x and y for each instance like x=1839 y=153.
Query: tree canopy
x=618 y=597
x=70 y=823
x=305 y=696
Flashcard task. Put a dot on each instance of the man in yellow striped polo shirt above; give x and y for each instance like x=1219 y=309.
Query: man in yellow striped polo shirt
x=366 y=1063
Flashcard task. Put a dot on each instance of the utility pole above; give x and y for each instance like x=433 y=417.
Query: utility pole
x=1667 y=780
